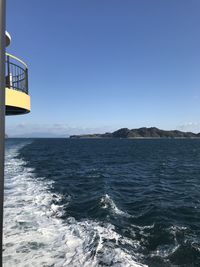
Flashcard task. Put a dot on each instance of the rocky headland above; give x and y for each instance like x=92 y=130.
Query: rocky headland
x=143 y=132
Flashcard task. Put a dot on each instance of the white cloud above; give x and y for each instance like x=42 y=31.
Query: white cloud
x=190 y=127
x=50 y=130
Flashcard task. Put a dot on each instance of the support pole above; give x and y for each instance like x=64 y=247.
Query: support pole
x=2 y=115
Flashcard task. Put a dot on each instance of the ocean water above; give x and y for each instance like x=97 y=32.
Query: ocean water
x=102 y=203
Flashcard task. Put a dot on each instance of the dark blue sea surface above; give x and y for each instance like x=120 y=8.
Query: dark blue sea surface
x=102 y=202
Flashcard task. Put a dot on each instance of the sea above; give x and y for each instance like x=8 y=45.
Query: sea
x=102 y=202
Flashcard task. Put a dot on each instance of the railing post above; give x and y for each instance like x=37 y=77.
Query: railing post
x=2 y=115
x=26 y=77
x=8 y=72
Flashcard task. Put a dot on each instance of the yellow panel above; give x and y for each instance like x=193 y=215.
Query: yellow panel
x=19 y=99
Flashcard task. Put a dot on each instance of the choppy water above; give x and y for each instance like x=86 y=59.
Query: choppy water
x=102 y=203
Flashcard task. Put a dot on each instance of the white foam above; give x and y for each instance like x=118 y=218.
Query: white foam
x=108 y=203
x=35 y=235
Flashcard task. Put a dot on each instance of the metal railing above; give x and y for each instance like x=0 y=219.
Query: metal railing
x=16 y=74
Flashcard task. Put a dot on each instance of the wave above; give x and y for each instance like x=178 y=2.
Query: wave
x=36 y=235
x=108 y=203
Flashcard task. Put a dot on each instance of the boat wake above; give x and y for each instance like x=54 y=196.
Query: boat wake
x=36 y=235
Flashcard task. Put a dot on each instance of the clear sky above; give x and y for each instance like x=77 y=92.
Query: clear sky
x=98 y=65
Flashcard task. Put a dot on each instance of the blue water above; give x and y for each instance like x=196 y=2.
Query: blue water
x=102 y=202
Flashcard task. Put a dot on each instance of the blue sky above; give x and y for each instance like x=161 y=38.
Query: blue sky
x=98 y=65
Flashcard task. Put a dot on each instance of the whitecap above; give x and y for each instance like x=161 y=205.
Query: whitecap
x=107 y=203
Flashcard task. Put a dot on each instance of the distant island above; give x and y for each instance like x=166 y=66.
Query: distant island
x=143 y=132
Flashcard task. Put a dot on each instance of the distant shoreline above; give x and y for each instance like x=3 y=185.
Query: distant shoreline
x=130 y=138
x=140 y=133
